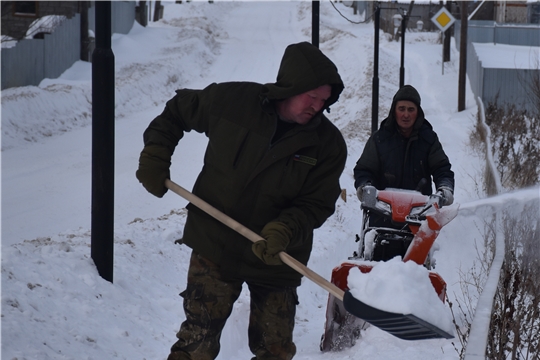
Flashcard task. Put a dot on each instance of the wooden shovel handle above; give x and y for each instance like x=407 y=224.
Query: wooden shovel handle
x=250 y=235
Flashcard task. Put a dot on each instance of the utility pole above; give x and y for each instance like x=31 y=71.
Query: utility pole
x=102 y=226
x=375 y=83
x=402 y=66
x=143 y=13
x=404 y=25
x=157 y=11
x=315 y=19
x=462 y=76
x=446 y=38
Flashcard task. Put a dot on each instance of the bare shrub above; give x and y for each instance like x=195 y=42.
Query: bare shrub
x=471 y=285
x=514 y=331
x=515 y=138
x=515 y=135
x=477 y=141
x=462 y=331
x=515 y=322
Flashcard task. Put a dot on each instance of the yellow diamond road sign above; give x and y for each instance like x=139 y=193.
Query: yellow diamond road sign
x=443 y=19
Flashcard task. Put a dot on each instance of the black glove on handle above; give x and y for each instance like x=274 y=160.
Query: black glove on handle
x=277 y=235
x=154 y=164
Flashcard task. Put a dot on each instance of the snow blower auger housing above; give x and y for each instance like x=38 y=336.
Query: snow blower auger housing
x=392 y=226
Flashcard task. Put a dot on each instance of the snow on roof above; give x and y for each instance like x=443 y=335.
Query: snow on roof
x=45 y=24
x=417 y=2
x=8 y=42
x=502 y=56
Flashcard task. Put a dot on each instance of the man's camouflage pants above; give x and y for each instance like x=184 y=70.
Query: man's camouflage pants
x=208 y=302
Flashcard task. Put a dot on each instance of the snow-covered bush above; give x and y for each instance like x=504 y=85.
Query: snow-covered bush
x=515 y=139
x=515 y=321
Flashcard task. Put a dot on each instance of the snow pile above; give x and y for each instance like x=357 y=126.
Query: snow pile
x=369 y=239
x=403 y=288
x=143 y=79
x=8 y=41
x=75 y=314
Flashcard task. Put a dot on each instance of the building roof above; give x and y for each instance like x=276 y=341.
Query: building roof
x=502 y=56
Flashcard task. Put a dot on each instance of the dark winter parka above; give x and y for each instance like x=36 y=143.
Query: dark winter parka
x=390 y=160
x=250 y=177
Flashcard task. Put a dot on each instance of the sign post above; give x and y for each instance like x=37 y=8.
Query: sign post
x=443 y=19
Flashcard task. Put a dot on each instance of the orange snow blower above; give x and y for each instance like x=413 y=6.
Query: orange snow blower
x=396 y=222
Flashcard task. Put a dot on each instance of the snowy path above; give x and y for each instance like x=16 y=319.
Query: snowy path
x=249 y=55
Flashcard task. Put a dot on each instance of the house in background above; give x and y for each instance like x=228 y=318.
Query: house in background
x=41 y=39
x=503 y=57
x=17 y=16
x=512 y=11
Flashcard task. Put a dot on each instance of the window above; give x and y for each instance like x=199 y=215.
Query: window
x=25 y=8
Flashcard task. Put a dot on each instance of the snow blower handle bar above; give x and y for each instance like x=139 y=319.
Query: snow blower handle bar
x=250 y=235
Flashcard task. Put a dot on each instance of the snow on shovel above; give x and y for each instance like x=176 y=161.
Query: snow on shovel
x=404 y=326
x=397 y=296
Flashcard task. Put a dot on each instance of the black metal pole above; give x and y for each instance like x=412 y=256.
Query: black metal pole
x=102 y=227
x=402 y=67
x=85 y=41
x=375 y=85
x=446 y=39
x=315 y=11
x=462 y=75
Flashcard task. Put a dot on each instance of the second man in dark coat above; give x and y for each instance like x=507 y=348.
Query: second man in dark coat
x=405 y=153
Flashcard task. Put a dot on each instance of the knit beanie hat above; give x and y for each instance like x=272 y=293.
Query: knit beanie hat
x=407 y=92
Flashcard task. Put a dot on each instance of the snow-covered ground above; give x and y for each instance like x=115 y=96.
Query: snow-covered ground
x=56 y=306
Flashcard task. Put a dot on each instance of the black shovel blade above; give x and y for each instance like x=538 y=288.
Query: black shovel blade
x=406 y=327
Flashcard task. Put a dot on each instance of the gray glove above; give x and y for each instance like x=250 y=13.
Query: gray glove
x=443 y=197
x=447 y=195
x=362 y=189
x=367 y=194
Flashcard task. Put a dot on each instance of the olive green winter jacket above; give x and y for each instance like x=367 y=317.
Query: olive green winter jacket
x=294 y=180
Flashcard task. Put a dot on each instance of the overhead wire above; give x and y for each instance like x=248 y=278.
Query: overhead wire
x=349 y=20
